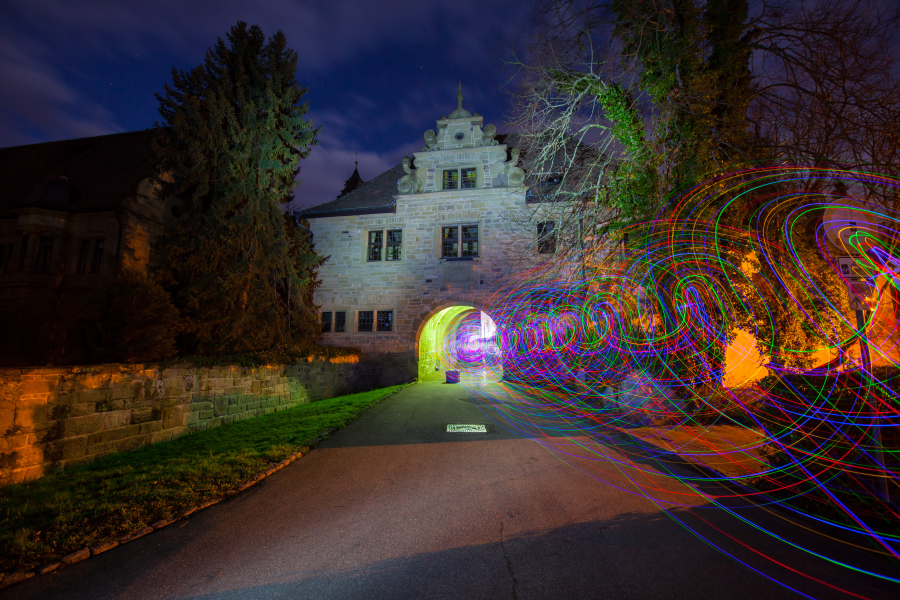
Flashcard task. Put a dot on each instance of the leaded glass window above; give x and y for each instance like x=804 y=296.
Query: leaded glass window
x=98 y=256
x=376 y=241
x=44 y=253
x=469 y=240
x=450 y=242
x=469 y=178
x=394 y=244
x=365 y=320
x=451 y=179
x=456 y=179
x=84 y=255
x=385 y=320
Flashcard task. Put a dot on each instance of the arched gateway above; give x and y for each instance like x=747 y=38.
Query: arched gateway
x=459 y=338
x=437 y=231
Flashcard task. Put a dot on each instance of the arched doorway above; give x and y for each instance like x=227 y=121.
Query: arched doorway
x=460 y=338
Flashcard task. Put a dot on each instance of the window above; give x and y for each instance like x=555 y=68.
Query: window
x=469 y=178
x=340 y=322
x=84 y=255
x=376 y=239
x=45 y=252
x=459 y=241
x=451 y=179
x=23 y=251
x=385 y=320
x=365 y=320
x=546 y=237
x=455 y=179
x=394 y=244
x=326 y=322
x=98 y=255
x=387 y=247
x=469 y=240
x=449 y=242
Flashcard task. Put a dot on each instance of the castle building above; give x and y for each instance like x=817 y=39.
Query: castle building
x=425 y=240
x=72 y=214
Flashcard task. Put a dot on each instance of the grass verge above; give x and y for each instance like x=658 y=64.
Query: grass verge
x=119 y=494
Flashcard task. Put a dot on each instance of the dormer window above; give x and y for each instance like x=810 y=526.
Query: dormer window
x=460 y=179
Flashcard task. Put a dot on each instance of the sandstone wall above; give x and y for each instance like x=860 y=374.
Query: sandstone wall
x=52 y=417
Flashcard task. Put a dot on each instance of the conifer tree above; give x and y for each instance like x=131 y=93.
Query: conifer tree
x=230 y=145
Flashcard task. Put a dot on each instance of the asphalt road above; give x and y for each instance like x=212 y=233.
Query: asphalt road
x=394 y=507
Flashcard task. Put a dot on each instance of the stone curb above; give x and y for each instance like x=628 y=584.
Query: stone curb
x=9 y=579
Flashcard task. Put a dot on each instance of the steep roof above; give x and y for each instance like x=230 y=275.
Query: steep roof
x=81 y=175
x=375 y=196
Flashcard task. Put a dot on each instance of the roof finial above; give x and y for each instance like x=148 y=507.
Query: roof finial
x=356 y=162
x=460 y=111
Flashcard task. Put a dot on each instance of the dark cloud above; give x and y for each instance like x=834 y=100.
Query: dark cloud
x=39 y=104
x=379 y=73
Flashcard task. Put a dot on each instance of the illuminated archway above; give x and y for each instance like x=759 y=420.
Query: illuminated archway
x=460 y=338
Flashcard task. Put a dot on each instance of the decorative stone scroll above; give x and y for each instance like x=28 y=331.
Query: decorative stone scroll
x=487 y=137
x=514 y=175
x=412 y=182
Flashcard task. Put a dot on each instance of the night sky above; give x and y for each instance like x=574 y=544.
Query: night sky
x=378 y=73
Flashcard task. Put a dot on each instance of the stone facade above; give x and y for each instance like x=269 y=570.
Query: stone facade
x=53 y=417
x=424 y=279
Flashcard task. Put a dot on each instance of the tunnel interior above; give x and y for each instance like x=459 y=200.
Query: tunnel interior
x=463 y=339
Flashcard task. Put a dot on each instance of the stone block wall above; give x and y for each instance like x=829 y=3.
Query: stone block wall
x=53 y=417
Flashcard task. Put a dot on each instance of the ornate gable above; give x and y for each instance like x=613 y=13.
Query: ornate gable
x=463 y=145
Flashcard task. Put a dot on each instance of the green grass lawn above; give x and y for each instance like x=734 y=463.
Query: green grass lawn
x=122 y=493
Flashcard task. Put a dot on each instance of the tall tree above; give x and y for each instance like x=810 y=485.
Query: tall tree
x=230 y=145
x=669 y=93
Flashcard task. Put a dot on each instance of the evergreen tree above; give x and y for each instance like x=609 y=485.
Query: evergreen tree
x=230 y=145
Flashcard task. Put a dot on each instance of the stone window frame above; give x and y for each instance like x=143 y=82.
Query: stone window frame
x=383 y=248
x=459 y=240
x=477 y=184
x=379 y=315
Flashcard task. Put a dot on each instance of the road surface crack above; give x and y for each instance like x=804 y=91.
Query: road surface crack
x=509 y=565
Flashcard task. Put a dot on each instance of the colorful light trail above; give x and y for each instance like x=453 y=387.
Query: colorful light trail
x=619 y=361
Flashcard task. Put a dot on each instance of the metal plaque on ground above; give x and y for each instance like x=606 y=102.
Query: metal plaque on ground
x=460 y=428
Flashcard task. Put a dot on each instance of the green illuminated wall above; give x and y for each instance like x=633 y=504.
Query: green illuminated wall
x=431 y=341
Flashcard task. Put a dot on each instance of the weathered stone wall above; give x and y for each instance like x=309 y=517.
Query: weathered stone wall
x=52 y=417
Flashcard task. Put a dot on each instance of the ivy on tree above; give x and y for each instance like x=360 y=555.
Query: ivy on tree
x=230 y=145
